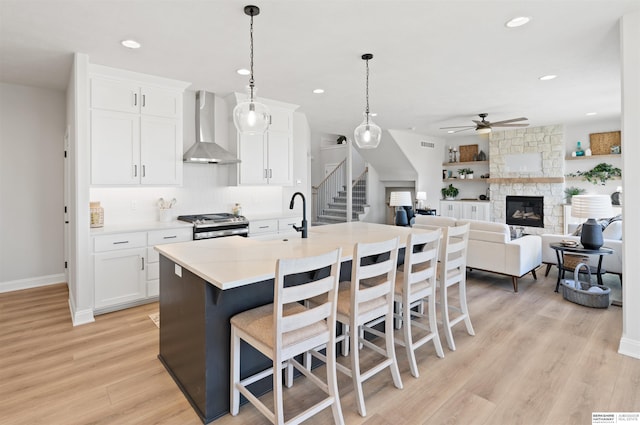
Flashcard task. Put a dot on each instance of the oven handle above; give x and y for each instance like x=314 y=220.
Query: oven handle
x=243 y=231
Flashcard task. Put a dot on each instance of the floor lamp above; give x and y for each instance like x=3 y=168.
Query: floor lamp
x=591 y=207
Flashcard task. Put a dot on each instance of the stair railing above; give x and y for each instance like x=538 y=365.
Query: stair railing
x=327 y=189
x=359 y=190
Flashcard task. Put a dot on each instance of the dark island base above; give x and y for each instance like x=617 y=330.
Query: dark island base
x=195 y=334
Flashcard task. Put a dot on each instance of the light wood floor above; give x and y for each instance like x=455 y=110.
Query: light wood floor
x=535 y=359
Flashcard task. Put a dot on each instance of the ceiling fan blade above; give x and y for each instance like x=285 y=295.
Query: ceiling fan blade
x=464 y=129
x=509 y=125
x=482 y=123
x=460 y=126
x=508 y=121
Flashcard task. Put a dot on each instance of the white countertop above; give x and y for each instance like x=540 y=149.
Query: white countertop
x=236 y=261
x=108 y=229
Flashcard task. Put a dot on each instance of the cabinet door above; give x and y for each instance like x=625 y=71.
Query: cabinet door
x=160 y=151
x=252 y=169
x=160 y=103
x=115 y=148
x=279 y=163
x=115 y=95
x=450 y=209
x=119 y=277
x=281 y=119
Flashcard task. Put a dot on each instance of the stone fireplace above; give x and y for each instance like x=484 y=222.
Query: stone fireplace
x=528 y=162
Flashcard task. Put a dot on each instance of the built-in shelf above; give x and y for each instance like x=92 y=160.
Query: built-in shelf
x=452 y=164
x=578 y=178
x=512 y=180
x=466 y=180
x=571 y=158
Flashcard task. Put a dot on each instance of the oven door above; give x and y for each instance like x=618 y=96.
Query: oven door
x=220 y=232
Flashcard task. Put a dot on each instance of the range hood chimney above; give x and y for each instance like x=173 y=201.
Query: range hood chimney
x=205 y=150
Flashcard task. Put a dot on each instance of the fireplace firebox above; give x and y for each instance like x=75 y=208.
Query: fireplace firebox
x=525 y=211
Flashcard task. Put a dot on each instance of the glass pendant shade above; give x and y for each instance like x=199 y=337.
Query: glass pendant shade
x=368 y=134
x=251 y=117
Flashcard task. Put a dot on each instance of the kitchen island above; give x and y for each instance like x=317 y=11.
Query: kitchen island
x=204 y=283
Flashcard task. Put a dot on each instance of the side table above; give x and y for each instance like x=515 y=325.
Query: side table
x=561 y=249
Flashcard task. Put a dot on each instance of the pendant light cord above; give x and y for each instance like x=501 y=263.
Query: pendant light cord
x=251 y=81
x=367 y=92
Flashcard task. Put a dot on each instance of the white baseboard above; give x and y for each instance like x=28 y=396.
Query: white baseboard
x=33 y=282
x=629 y=347
x=80 y=317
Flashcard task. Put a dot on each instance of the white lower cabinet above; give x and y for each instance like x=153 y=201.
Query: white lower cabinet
x=450 y=209
x=475 y=211
x=126 y=268
x=465 y=210
x=267 y=228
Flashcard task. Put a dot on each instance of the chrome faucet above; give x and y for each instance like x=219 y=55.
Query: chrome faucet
x=302 y=228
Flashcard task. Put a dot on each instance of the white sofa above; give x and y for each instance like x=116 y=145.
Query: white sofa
x=491 y=248
x=612 y=235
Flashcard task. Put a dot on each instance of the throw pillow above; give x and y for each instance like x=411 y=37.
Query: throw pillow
x=613 y=231
x=604 y=223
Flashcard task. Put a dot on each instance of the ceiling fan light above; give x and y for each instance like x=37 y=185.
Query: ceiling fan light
x=484 y=130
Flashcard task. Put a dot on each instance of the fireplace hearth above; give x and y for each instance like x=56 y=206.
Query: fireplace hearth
x=525 y=211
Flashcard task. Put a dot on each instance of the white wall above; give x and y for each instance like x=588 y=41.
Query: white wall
x=31 y=186
x=427 y=162
x=630 y=40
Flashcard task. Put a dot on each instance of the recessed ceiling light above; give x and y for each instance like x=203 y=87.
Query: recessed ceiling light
x=243 y=71
x=517 y=22
x=318 y=91
x=450 y=131
x=547 y=77
x=591 y=114
x=374 y=114
x=131 y=44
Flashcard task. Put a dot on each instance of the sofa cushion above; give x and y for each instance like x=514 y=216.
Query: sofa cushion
x=501 y=232
x=433 y=220
x=613 y=231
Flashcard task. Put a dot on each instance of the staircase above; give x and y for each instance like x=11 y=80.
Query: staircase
x=330 y=198
x=336 y=212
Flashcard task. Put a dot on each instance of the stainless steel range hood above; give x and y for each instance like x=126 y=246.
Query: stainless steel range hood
x=205 y=150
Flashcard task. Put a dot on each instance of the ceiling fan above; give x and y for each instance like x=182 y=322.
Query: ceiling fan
x=483 y=126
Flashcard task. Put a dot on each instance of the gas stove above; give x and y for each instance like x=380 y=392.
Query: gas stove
x=216 y=225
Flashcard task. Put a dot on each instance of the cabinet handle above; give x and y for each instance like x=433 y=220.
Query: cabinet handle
x=144 y=171
x=265 y=173
x=170 y=237
x=142 y=258
x=120 y=242
x=263 y=227
x=135 y=99
x=144 y=100
x=135 y=170
x=270 y=119
x=270 y=172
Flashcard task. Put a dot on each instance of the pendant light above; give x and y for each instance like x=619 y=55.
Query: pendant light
x=251 y=117
x=367 y=135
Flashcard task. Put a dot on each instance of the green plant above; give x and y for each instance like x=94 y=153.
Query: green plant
x=571 y=191
x=463 y=171
x=599 y=174
x=449 y=191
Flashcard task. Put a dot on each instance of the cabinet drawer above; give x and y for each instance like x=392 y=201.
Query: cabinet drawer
x=286 y=224
x=159 y=237
x=263 y=226
x=119 y=241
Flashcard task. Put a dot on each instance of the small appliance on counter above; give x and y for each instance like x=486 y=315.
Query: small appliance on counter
x=96 y=213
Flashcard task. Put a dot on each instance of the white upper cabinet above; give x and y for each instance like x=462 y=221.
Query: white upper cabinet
x=136 y=128
x=266 y=159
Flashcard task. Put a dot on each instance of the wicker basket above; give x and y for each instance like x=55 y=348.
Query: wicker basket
x=578 y=292
x=570 y=261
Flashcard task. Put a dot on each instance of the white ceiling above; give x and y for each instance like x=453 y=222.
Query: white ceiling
x=436 y=63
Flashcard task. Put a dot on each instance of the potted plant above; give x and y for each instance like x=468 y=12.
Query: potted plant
x=601 y=173
x=464 y=171
x=449 y=192
x=571 y=191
